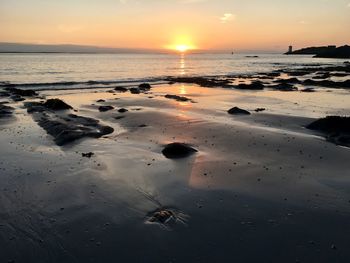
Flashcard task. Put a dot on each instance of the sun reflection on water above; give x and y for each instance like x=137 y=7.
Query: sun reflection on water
x=183 y=90
x=182 y=64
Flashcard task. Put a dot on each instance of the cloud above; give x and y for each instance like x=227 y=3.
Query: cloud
x=227 y=17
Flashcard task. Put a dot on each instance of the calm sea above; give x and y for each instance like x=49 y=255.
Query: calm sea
x=94 y=70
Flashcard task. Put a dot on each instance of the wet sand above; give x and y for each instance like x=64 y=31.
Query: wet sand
x=261 y=188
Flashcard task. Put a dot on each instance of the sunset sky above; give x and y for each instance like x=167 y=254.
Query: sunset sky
x=154 y=24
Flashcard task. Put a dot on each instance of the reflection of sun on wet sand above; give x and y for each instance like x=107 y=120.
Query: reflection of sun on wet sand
x=248 y=176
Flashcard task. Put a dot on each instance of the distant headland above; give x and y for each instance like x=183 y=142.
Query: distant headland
x=322 y=52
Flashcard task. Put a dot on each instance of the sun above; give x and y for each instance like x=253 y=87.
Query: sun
x=182 y=48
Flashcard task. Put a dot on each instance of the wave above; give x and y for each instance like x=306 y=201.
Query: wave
x=91 y=84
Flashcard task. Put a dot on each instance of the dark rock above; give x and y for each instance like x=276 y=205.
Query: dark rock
x=5 y=94
x=135 y=91
x=178 y=150
x=308 y=90
x=297 y=73
x=284 y=87
x=145 y=86
x=178 y=98
x=201 y=81
x=238 y=111
x=142 y=126
x=122 y=110
x=5 y=111
x=101 y=101
x=328 y=83
x=17 y=98
x=56 y=104
x=288 y=81
x=87 y=155
x=259 y=109
x=322 y=75
x=119 y=117
x=105 y=108
x=335 y=128
x=256 y=85
x=66 y=128
x=161 y=216
x=273 y=74
x=21 y=92
x=121 y=89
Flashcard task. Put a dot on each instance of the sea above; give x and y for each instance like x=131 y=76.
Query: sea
x=75 y=71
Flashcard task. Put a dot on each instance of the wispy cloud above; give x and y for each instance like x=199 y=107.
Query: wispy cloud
x=227 y=17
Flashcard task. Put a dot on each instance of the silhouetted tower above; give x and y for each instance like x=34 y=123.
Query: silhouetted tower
x=290 y=49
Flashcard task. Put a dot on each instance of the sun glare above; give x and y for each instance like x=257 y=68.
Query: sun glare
x=182 y=48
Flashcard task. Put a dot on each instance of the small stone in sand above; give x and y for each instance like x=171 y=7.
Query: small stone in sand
x=87 y=155
x=122 y=110
x=259 y=109
x=161 y=216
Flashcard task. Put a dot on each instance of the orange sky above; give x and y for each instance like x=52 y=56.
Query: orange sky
x=203 y=24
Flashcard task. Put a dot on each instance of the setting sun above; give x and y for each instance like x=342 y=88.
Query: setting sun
x=182 y=48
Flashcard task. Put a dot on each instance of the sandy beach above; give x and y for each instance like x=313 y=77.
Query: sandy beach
x=260 y=188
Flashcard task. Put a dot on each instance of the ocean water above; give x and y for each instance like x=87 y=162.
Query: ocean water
x=55 y=71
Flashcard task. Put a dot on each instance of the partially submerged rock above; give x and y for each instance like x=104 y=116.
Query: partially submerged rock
x=17 y=98
x=105 y=108
x=65 y=128
x=178 y=150
x=177 y=98
x=135 y=91
x=5 y=111
x=328 y=83
x=56 y=104
x=255 y=85
x=259 y=109
x=22 y=92
x=145 y=86
x=238 y=111
x=308 y=90
x=284 y=87
x=121 y=89
x=51 y=105
x=201 y=81
x=336 y=129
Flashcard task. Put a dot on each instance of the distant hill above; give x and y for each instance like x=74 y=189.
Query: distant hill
x=340 y=52
x=37 y=48
x=324 y=52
